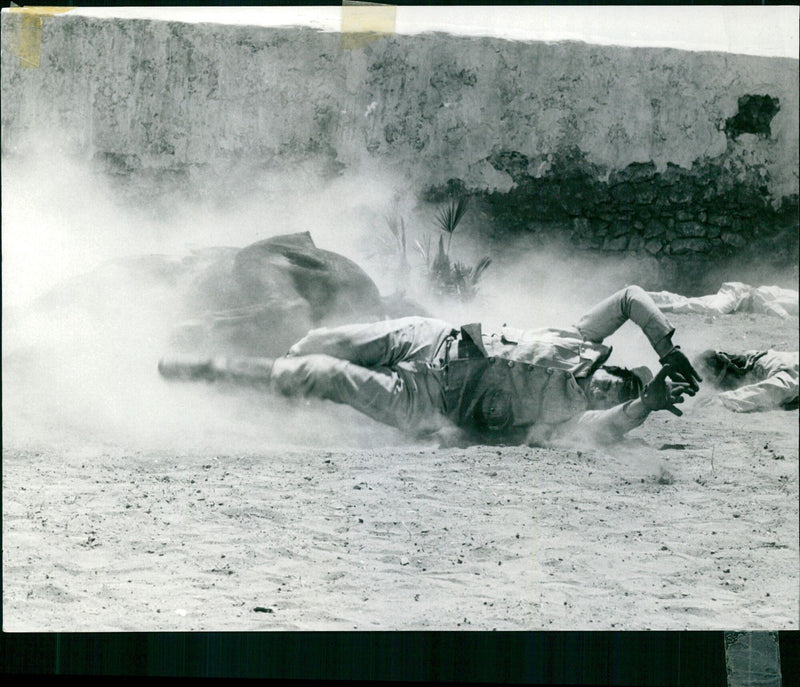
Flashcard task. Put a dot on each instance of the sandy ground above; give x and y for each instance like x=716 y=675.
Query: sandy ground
x=192 y=509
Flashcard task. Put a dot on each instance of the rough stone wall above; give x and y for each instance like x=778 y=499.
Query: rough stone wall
x=679 y=156
x=692 y=222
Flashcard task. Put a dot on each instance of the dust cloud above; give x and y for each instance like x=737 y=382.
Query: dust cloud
x=79 y=358
x=80 y=353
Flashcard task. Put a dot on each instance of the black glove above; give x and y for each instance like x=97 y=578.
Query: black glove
x=661 y=394
x=682 y=370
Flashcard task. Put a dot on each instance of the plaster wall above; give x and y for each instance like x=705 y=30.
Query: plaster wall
x=643 y=150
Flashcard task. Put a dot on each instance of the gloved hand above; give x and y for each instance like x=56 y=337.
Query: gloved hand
x=682 y=370
x=662 y=394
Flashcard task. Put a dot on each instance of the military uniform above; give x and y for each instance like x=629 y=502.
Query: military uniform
x=421 y=374
x=769 y=382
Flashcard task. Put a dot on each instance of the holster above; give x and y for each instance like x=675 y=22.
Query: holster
x=470 y=342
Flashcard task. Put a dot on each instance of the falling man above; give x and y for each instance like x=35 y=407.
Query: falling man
x=426 y=377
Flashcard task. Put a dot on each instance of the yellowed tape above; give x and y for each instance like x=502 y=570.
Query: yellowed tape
x=30 y=36
x=363 y=23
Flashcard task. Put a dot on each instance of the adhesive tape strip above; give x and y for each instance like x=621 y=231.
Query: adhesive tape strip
x=30 y=36
x=365 y=22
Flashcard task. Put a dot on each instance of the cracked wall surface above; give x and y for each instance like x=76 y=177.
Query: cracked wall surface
x=663 y=152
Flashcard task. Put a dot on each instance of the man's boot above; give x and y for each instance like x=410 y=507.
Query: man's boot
x=185 y=367
x=240 y=370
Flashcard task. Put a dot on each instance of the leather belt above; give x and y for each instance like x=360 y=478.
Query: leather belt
x=449 y=348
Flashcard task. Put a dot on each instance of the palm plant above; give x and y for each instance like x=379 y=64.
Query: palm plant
x=425 y=250
x=392 y=248
x=450 y=215
x=397 y=226
x=465 y=278
x=447 y=277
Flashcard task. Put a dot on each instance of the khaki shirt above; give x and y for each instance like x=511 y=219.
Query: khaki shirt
x=538 y=370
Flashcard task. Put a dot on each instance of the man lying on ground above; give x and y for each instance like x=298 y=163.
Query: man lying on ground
x=424 y=376
x=733 y=296
x=753 y=380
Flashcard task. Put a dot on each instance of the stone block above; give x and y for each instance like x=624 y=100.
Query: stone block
x=644 y=194
x=689 y=229
x=616 y=243
x=587 y=242
x=653 y=246
x=619 y=228
x=581 y=226
x=571 y=206
x=740 y=225
x=598 y=228
x=732 y=239
x=636 y=243
x=637 y=171
x=624 y=193
x=719 y=220
x=690 y=245
x=709 y=194
x=680 y=196
x=653 y=228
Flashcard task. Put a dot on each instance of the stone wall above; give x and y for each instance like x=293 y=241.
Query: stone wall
x=682 y=157
x=692 y=222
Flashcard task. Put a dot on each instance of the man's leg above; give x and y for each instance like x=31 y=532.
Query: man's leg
x=407 y=399
x=244 y=370
x=378 y=344
x=402 y=399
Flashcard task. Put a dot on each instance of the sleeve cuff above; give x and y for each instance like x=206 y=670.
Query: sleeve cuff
x=635 y=411
x=664 y=345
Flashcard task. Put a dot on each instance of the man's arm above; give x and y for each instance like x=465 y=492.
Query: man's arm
x=601 y=426
x=608 y=426
x=633 y=303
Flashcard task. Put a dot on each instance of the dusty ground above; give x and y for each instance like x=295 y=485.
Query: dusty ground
x=190 y=509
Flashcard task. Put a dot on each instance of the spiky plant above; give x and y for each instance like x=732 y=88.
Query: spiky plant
x=479 y=269
x=450 y=215
x=465 y=278
x=398 y=246
x=425 y=250
x=455 y=279
x=397 y=226
x=440 y=268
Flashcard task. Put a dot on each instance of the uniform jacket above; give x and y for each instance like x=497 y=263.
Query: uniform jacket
x=537 y=370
